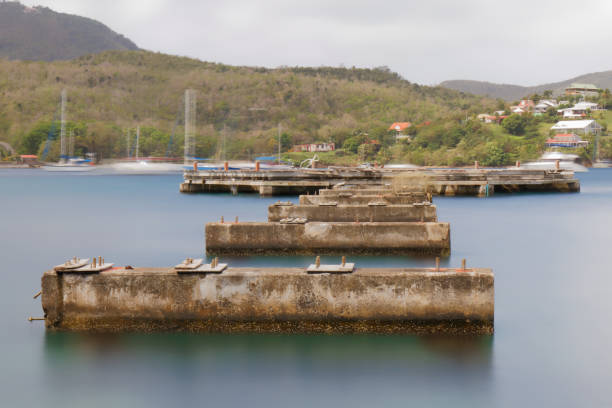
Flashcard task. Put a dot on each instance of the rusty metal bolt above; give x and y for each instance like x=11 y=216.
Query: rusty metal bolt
x=222 y=220
x=463 y=264
x=318 y=261
x=343 y=260
x=236 y=222
x=437 y=264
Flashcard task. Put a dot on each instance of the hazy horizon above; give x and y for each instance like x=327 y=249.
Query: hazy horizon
x=526 y=43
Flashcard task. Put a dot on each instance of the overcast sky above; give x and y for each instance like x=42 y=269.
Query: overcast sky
x=426 y=41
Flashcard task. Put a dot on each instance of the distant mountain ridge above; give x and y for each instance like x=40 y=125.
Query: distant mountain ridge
x=39 y=33
x=514 y=92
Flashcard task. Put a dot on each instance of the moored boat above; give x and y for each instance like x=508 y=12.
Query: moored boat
x=549 y=160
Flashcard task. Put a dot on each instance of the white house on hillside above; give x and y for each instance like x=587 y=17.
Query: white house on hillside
x=579 y=110
x=544 y=104
x=575 y=126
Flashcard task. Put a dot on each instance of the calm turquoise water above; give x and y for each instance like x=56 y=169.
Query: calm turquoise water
x=551 y=254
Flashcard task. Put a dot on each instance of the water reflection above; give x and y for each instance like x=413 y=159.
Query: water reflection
x=469 y=350
x=265 y=370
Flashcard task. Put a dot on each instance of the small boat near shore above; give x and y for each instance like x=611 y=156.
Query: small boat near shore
x=548 y=161
x=70 y=165
x=146 y=167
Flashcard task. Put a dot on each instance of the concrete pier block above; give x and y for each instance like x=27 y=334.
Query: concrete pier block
x=348 y=213
x=355 y=192
x=390 y=199
x=394 y=300
x=313 y=238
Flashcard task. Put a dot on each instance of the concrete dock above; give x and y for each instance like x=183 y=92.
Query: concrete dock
x=477 y=182
x=321 y=238
x=349 y=213
x=394 y=300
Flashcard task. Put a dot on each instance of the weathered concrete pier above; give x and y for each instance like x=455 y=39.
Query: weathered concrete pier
x=350 y=199
x=478 y=182
x=394 y=300
x=322 y=238
x=379 y=212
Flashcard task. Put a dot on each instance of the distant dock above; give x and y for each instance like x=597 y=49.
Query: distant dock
x=448 y=182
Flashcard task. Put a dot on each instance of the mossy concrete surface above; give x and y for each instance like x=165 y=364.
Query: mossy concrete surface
x=272 y=300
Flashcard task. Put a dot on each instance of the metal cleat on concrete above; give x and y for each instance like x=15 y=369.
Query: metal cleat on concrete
x=213 y=267
x=189 y=264
x=344 y=267
x=98 y=265
x=73 y=263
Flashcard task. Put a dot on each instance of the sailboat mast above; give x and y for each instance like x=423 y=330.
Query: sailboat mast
x=137 y=140
x=128 y=144
x=71 y=144
x=190 y=123
x=63 y=127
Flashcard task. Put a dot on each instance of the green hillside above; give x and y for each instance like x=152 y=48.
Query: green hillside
x=116 y=90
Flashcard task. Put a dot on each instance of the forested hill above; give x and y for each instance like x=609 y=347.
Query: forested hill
x=515 y=92
x=39 y=33
x=115 y=90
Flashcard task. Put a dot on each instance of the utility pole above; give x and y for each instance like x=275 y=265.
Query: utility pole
x=596 y=147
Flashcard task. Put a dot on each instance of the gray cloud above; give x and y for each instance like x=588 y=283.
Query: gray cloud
x=522 y=42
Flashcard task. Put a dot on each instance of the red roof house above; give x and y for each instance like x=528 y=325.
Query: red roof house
x=399 y=126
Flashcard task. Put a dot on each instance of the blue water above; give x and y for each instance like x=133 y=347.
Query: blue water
x=553 y=278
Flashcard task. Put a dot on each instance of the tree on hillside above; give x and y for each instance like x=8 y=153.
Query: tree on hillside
x=352 y=143
x=501 y=105
x=31 y=142
x=495 y=155
x=515 y=124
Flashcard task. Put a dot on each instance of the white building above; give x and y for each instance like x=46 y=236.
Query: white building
x=544 y=104
x=579 y=110
x=575 y=126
